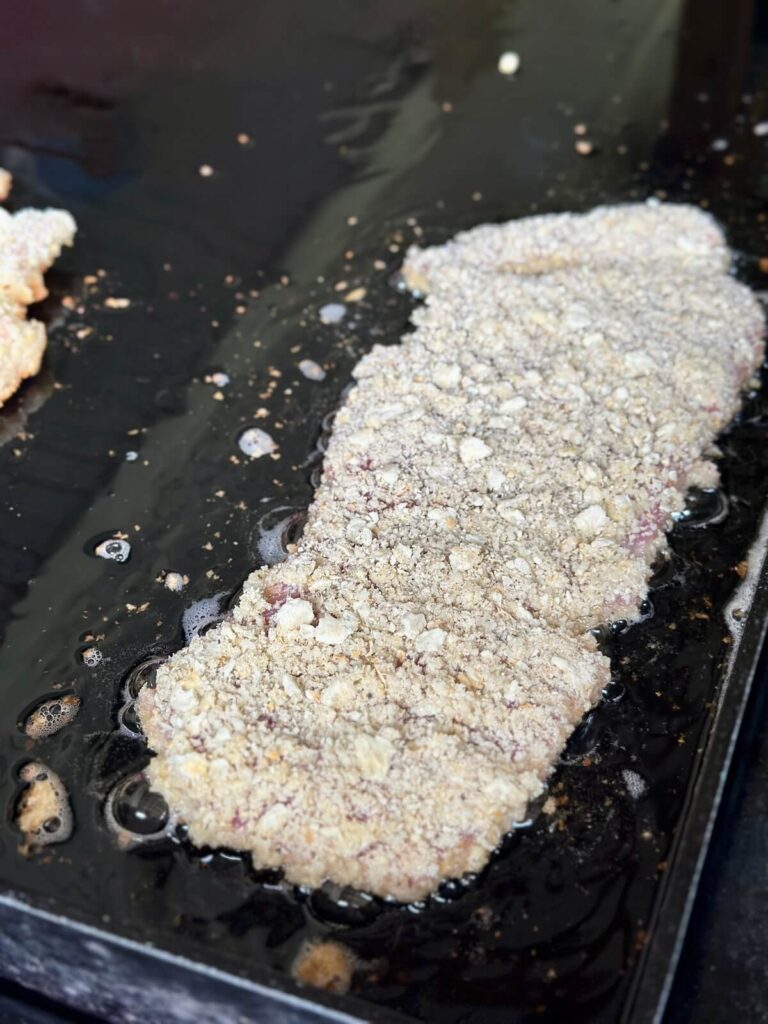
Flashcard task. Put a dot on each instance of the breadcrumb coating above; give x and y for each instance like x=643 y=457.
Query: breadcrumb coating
x=380 y=708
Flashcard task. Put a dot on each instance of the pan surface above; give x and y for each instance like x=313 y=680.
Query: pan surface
x=234 y=169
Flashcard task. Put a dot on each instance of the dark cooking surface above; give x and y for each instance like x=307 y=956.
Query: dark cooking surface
x=387 y=112
x=723 y=972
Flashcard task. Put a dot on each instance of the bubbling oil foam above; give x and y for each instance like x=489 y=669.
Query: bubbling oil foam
x=202 y=614
x=50 y=716
x=43 y=811
x=141 y=675
x=114 y=549
x=274 y=534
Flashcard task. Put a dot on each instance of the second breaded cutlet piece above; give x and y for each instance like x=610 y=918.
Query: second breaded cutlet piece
x=30 y=241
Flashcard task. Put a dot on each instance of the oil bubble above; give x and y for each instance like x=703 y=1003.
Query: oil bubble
x=50 y=716
x=614 y=692
x=276 y=531
x=706 y=506
x=136 y=814
x=201 y=615
x=128 y=723
x=114 y=550
x=448 y=891
x=91 y=657
x=398 y=282
x=342 y=905
x=583 y=739
x=636 y=785
x=143 y=674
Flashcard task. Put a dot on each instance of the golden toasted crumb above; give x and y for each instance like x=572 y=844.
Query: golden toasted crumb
x=327 y=965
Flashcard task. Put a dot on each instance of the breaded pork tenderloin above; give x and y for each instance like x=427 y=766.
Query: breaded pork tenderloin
x=382 y=706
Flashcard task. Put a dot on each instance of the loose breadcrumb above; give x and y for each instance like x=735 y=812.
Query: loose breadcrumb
x=382 y=706
x=328 y=965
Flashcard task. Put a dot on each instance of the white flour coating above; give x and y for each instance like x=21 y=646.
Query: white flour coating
x=384 y=704
x=30 y=241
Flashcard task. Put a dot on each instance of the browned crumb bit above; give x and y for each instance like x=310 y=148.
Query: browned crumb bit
x=383 y=705
x=328 y=965
x=43 y=813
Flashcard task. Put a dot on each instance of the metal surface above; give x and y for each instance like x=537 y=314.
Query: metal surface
x=363 y=128
x=722 y=971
